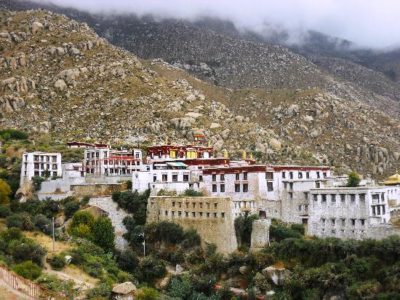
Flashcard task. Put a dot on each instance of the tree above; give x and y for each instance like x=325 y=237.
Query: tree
x=5 y=191
x=128 y=261
x=243 y=228
x=70 y=208
x=28 y=269
x=147 y=293
x=354 y=179
x=103 y=234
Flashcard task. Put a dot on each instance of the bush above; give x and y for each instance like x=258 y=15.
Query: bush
x=103 y=234
x=28 y=270
x=147 y=293
x=101 y=291
x=85 y=200
x=70 y=208
x=22 y=221
x=37 y=182
x=353 y=180
x=4 y=211
x=243 y=228
x=26 y=249
x=43 y=224
x=128 y=261
x=192 y=193
x=57 y=262
x=13 y=134
x=5 y=191
x=152 y=268
x=280 y=231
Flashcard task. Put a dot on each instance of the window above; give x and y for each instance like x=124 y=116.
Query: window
x=362 y=222
x=245 y=176
x=317 y=184
x=333 y=222
x=214 y=177
x=324 y=174
x=291 y=186
x=174 y=177
x=291 y=175
x=186 y=177
x=237 y=188
x=315 y=197
x=245 y=188
x=223 y=215
x=283 y=174
x=215 y=205
x=200 y=177
x=323 y=221
x=187 y=214
x=343 y=198
x=237 y=176
x=215 y=215
x=318 y=175
x=163 y=178
x=193 y=214
x=54 y=166
x=270 y=175
x=307 y=175
x=353 y=198
x=362 y=197
x=214 y=188
x=270 y=186
x=323 y=198
x=300 y=175
x=222 y=177
x=208 y=215
x=333 y=198
x=353 y=222
x=222 y=188
x=343 y=222
x=290 y=195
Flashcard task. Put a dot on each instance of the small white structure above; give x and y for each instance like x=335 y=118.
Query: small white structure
x=42 y=164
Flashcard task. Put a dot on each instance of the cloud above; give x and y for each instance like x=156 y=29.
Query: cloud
x=368 y=23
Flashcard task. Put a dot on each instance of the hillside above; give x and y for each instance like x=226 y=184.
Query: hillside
x=58 y=78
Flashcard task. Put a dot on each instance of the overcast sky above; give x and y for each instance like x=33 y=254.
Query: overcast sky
x=371 y=23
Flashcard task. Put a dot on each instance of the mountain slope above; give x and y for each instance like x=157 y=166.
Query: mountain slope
x=58 y=78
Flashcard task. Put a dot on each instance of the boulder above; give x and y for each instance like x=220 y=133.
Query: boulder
x=278 y=275
x=275 y=144
x=214 y=125
x=60 y=85
x=36 y=26
x=125 y=288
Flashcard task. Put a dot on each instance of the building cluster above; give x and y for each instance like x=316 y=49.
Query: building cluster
x=309 y=195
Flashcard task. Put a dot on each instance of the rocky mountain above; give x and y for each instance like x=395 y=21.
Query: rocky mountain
x=59 y=78
x=216 y=51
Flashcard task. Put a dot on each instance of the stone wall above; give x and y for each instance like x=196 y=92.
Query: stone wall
x=211 y=216
x=260 y=234
x=96 y=190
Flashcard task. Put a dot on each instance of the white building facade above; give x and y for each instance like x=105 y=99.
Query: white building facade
x=41 y=164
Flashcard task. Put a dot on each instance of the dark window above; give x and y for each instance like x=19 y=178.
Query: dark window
x=324 y=174
x=362 y=222
x=245 y=188
x=174 y=177
x=353 y=222
x=317 y=184
x=164 y=177
x=323 y=198
x=291 y=175
x=214 y=188
x=290 y=195
x=300 y=175
x=333 y=198
x=318 y=175
x=353 y=198
x=237 y=176
x=245 y=176
x=308 y=175
x=270 y=186
x=315 y=197
x=223 y=215
x=283 y=174
x=270 y=175
x=214 y=177
x=200 y=177
x=222 y=177
x=362 y=197
x=185 y=177
x=237 y=188
x=342 y=197
x=222 y=188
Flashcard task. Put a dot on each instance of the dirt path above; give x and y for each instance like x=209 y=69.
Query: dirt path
x=8 y=293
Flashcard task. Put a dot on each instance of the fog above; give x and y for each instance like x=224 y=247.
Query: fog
x=367 y=23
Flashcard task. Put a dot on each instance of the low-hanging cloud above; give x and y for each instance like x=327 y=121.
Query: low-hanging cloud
x=368 y=23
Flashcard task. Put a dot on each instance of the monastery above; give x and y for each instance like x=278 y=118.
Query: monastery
x=192 y=187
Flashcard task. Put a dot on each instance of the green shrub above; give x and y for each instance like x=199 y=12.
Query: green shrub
x=243 y=228
x=152 y=268
x=43 y=224
x=128 y=261
x=147 y=293
x=28 y=269
x=354 y=179
x=13 y=134
x=22 y=221
x=280 y=231
x=4 y=211
x=101 y=291
x=26 y=249
x=70 y=208
x=192 y=193
x=37 y=182
x=57 y=262
x=85 y=200
x=103 y=233
x=180 y=288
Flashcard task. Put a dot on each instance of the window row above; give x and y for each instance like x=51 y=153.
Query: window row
x=174 y=178
x=195 y=204
x=342 y=222
x=306 y=174
x=339 y=197
x=193 y=214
